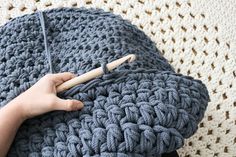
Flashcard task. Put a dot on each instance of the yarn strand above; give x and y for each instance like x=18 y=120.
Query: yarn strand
x=48 y=54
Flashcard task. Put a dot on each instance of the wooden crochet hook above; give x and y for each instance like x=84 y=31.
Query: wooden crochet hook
x=94 y=73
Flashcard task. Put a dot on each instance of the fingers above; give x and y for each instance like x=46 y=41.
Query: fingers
x=59 y=78
x=68 y=105
x=57 y=103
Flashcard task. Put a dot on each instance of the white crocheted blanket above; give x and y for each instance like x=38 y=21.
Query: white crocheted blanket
x=196 y=36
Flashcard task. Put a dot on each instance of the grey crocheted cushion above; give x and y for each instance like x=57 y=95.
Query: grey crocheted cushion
x=140 y=109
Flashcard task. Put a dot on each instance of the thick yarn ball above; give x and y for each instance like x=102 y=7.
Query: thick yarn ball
x=140 y=109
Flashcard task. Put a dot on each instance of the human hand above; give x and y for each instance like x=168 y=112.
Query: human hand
x=41 y=97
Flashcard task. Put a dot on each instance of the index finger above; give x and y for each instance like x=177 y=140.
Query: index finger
x=59 y=78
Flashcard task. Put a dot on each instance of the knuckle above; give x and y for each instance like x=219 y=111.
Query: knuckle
x=70 y=105
x=67 y=73
x=48 y=76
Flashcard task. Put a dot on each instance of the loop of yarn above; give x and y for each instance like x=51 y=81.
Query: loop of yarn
x=104 y=68
x=140 y=109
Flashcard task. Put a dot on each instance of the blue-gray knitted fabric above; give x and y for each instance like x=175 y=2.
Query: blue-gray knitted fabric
x=140 y=109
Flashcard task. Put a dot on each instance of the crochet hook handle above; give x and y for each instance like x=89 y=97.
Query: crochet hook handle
x=94 y=73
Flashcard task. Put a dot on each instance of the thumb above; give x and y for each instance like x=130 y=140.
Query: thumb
x=68 y=104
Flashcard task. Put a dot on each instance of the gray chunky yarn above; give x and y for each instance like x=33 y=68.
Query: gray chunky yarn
x=140 y=109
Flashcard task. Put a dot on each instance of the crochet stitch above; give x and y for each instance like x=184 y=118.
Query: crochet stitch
x=141 y=108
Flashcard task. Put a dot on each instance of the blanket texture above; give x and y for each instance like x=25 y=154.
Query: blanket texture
x=140 y=109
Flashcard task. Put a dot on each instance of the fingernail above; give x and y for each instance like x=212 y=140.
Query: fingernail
x=80 y=105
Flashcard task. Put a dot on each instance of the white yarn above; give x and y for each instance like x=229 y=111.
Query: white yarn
x=196 y=36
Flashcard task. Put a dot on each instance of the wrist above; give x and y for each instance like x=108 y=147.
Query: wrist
x=16 y=108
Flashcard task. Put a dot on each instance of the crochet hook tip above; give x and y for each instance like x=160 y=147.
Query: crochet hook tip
x=132 y=57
